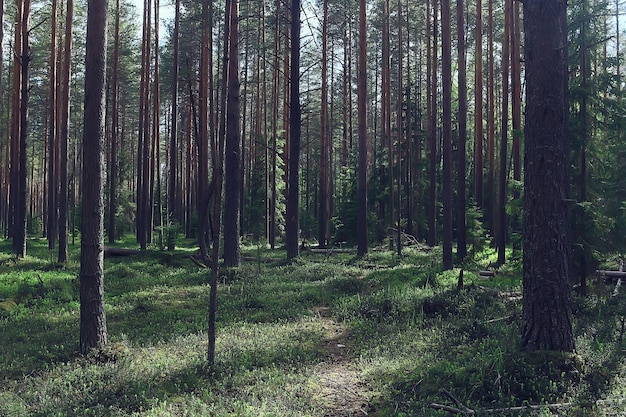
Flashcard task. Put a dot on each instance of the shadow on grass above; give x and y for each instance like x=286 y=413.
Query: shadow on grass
x=258 y=366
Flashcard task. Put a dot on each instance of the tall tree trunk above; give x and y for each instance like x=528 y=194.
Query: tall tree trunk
x=173 y=208
x=491 y=126
x=112 y=171
x=15 y=127
x=386 y=113
x=516 y=107
x=4 y=149
x=93 y=329
x=432 y=135
x=156 y=139
x=584 y=116
x=461 y=245
x=478 y=111
x=546 y=312
x=19 y=236
x=361 y=228
x=501 y=228
x=202 y=137
x=410 y=183
x=400 y=129
x=446 y=70
x=323 y=190
x=64 y=133
x=274 y=142
x=218 y=179
x=292 y=223
x=143 y=144
x=52 y=130
x=232 y=159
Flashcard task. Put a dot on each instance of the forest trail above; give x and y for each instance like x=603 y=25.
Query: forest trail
x=336 y=384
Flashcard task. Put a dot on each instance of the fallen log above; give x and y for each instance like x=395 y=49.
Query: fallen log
x=115 y=252
x=612 y=274
x=486 y=274
x=330 y=251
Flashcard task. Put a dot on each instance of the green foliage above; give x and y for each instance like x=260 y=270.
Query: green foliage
x=477 y=234
x=409 y=329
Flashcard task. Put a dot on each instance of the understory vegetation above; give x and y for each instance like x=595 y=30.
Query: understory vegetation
x=327 y=335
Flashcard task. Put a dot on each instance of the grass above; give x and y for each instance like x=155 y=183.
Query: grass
x=409 y=332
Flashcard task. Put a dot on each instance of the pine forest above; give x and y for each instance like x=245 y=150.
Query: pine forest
x=312 y=207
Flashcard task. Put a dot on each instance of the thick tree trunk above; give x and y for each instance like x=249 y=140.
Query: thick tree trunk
x=232 y=160
x=361 y=228
x=546 y=314
x=292 y=223
x=93 y=330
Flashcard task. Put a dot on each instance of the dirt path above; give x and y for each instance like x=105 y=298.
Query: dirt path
x=336 y=384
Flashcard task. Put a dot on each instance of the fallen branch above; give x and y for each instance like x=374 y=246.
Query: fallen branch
x=110 y=251
x=459 y=408
x=498 y=319
x=197 y=261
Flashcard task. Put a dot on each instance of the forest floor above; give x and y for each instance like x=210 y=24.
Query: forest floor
x=326 y=335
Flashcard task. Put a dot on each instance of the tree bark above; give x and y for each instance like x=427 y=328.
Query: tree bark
x=232 y=160
x=361 y=229
x=461 y=206
x=15 y=126
x=501 y=228
x=52 y=130
x=292 y=223
x=323 y=190
x=112 y=171
x=478 y=111
x=446 y=63
x=64 y=136
x=432 y=135
x=546 y=313
x=19 y=236
x=93 y=329
x=173 y=208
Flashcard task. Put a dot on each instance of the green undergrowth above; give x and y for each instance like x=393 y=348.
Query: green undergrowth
x=410 y=332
